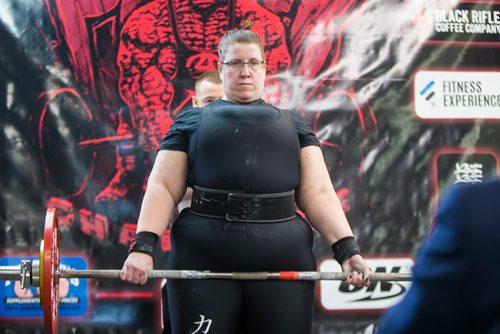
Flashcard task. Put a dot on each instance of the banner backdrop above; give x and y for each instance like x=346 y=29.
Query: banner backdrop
x=403 y=95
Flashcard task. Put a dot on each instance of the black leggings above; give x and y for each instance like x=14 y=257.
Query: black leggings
x=229 y=307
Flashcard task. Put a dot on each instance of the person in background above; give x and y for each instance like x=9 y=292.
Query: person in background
x=454 y=288
x=207 y=89
x=250 y=165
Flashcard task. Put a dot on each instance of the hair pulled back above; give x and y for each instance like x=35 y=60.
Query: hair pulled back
x=244 y=35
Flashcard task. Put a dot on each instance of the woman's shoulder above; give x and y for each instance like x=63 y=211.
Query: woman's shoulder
x=296 y=116
x=188 y=115
x=188 y=112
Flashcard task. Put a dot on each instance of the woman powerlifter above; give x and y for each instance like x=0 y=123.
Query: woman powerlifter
x=250 y=165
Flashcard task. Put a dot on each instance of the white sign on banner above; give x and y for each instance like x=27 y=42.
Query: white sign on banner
x=457 y=95
x=338 y=296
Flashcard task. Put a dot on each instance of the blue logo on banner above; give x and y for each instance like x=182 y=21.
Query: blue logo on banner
x=25 y=303
x=427 y=89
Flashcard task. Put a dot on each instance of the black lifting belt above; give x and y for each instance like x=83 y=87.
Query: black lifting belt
x=241 y=207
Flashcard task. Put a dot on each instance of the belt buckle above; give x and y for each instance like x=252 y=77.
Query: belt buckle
x=237 y=207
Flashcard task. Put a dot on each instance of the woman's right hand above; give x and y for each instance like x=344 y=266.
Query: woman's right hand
x=136 y=267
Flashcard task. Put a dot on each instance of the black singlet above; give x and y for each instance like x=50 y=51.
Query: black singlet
x=251 y=147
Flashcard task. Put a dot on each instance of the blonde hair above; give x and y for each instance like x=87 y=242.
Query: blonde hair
x=244 y=35
x=210 y=76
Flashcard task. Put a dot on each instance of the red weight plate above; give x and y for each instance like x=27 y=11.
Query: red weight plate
x=49 y=283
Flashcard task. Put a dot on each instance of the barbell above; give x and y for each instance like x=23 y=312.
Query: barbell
x=46 y=272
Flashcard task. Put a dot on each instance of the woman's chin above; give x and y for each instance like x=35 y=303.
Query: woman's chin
x=245 y=98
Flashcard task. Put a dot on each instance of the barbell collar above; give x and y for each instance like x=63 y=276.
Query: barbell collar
x=35 y=272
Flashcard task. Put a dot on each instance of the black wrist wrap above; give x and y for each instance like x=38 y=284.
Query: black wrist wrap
x=145 y=242
x=345 y=248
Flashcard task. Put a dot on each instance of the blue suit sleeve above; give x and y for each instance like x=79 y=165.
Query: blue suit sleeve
x=435 y=302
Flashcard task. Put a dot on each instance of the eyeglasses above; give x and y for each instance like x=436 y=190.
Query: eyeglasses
x=237 y=65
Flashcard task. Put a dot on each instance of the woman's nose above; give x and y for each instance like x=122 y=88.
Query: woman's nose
x=245 y=70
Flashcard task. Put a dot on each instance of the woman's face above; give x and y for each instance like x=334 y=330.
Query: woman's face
x=242 y=84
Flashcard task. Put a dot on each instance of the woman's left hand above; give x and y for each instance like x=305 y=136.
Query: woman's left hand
x=359 y=272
